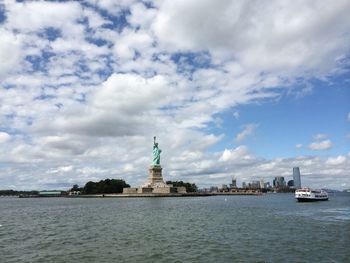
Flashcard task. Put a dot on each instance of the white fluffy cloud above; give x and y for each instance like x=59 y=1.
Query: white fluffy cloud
x=4 y=137
x=272 y=36
x=248 y=130
x=130 y=93
x=320 y=136
x=112 y=6
x=237 y=155
x=33 y=16
x=141 y=16
x=10 y=52
x=321 y=145
x=336 y=160
x=130 y=43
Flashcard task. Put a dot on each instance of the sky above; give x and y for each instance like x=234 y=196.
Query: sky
x=232 y=88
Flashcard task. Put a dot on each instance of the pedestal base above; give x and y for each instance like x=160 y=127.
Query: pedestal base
x=155 y=176
x=155 y=184
x=164 y=190
x=144 y=190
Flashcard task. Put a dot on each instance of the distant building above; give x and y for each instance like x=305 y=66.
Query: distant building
x=223 y=188
x=279 y=182
x=50 y=194
x=255 y=184
x=213 y=189
x=74 y=193
x=290 y=183
x=244 y=185
x=262 y=184
x=234 y=183
x=267 y=185
x=296 y=177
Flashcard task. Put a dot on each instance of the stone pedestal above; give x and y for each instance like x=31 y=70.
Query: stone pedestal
x=155 y=184
x=155 y=178
x=164 y=190
x=129 y=190
x=144 y=190
x=181 y=190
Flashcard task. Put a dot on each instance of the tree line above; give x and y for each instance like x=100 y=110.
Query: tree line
x=190 y=188
x=17 y=193
x=107 y=186
x=111 y=186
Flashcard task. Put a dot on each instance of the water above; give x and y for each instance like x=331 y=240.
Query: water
x=270 y=228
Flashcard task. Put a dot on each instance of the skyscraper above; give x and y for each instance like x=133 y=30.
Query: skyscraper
x=255 y=184
x=262 y=184
x=290 y=183
x=279 y=182
x=234 y=183
x=296 y=177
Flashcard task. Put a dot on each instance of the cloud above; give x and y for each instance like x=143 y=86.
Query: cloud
x=131 y=43
x=268 y=166
x=299 y=146
x=111 y=6
x=236 y=115
x=61 y=169
x=237 y=155
x=33 y=16
x=297 y=41
x=10 y=52
x=321 y=145
x=336 y=160
x=4 y=137
x=320 y=136
x=249 y=129
x=122 y=106
x=131 y=94
x=141 y=16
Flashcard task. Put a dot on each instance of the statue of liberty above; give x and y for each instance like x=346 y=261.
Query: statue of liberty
x=156 y=153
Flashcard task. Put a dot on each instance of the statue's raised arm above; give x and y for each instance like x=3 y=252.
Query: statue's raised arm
x=156 y=153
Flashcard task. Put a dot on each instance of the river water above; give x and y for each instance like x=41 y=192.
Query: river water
x=269 y=228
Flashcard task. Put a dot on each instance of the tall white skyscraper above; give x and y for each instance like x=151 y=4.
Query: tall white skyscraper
x=296 y=177
x=262 y=184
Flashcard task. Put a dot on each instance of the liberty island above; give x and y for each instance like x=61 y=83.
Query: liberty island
x=155 y=184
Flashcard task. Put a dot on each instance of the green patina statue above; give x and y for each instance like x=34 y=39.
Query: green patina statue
x=156 y=153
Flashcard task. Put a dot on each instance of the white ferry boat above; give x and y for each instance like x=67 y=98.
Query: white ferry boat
x=310 y=195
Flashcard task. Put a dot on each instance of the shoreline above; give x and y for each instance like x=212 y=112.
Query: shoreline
x=149 y=195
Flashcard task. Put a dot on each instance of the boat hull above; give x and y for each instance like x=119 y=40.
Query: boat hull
x=303 y=199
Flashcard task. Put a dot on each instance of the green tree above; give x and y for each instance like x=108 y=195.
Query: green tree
x=190 y=188
x=15 y=193
x=76 y=188
x=90 y=188
x=107 y=186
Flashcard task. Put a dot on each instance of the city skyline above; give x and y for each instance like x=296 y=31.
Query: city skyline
x=231 y=89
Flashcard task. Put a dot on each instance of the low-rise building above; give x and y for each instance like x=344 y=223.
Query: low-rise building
x=50 y=194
